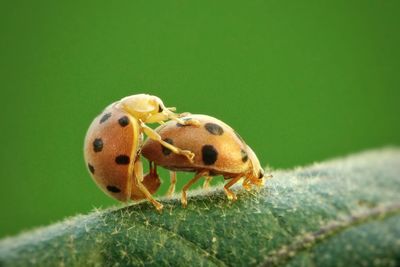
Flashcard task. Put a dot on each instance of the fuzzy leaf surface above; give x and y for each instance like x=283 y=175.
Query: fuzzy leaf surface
x=342 y=212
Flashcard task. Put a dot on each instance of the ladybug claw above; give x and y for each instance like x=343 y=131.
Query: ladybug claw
x=184 y=202
x=189 y=154
x=187 y=121
x=184 y=114
x=159 y=207
x=247 y=187
x=230 y=195
x=193 y=122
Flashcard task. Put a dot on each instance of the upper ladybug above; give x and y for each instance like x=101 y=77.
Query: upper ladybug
x=113 y=141
x=218 y=150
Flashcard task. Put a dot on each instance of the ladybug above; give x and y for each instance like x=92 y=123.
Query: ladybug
x=113 y=142
x=218 y=150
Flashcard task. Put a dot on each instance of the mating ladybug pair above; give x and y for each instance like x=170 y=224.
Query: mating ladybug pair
x=184 y=142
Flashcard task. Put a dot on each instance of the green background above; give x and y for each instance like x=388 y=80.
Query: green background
x=301 y=81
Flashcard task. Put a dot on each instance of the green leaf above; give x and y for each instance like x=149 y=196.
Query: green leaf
x=344 y=212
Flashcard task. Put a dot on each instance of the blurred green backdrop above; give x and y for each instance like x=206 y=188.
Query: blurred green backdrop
x=301 y=81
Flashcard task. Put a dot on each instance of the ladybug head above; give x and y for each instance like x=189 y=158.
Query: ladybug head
x=141 y=106
x=256 y=172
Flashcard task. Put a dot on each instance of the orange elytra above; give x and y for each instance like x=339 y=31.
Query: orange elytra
x=113 y=142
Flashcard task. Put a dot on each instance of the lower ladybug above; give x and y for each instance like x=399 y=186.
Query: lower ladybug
x=218 y=150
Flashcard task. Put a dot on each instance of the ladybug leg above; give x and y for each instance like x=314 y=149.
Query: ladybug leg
x=158 y=117
x=171 y=188
x=229 y=193
x=177 y=117
x=189 y=184
x=207 y=181
x=169 y=115
x=138 y=171
x=246 y=184
x=152 y=168
x=187 y=122
x=155 y=136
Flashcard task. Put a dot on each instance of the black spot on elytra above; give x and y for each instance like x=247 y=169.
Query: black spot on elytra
x=105 y=117
x=160 y=109
x=113 y=189
x=209 y=154
x=261 y=174
x=166 y=151
x=213 y=128
x=122 y=160
x=97 y=145
x=123 y=121
x=245 y=157
x=183 y=125
x=91 y=168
